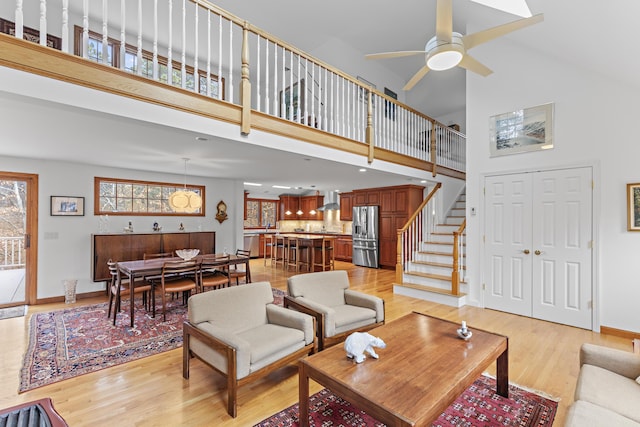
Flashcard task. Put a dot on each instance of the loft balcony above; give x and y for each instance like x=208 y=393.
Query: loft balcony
x=192 y=56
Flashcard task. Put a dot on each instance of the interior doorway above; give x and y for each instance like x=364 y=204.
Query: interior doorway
x=18 y=238
x=538 y=245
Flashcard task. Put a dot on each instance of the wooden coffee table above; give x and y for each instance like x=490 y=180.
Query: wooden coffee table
x=424 y=368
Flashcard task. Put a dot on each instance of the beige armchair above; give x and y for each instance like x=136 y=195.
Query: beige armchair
x=338 y=310
x=608 y=388
x=243 y=336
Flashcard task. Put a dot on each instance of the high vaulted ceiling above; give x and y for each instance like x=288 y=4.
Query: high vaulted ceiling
x=594 y=36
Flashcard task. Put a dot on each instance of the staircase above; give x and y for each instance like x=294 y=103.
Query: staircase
x=428 y=274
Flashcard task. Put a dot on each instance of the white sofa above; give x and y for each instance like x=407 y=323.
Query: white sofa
x=608 y=389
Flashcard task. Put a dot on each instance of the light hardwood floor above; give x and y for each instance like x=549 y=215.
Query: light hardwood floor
x=152 y=392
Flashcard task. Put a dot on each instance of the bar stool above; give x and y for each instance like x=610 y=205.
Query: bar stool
x=278 y=251
x=326 y=255
x=268 y=244
x=292 y=253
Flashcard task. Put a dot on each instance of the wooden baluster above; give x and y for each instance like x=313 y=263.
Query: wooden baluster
x=139 y=52
x=258 y=75
x=170 y=46
x=123 y=34
x=155 y=41
x=298 y=109
x=283 y=107
x=325 y=106
x=65 y=26
x=85 y=29
x=220 y=57
x=196 y=26
x=19 y=19
x=208 y=75
x=290 y=106
x=332 y=97
x=313 y=95
x=432 y=147
x=43 y=22
x=245 y=88
x=455 y=274
x=266 y=70
x=183 y=56
x=230 y=74
x=275 y=79
x=105 y=36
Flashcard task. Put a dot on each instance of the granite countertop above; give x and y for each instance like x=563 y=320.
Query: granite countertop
x=316 y=233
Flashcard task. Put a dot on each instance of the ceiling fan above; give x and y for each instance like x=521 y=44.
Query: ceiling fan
x=448 y=49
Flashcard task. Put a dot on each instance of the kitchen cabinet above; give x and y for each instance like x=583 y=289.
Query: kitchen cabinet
x=289 y=205
x=264 y=252
x=133 y=246
x=309 y=204
x=346 y=206
x=343 y=248
x=396 y=204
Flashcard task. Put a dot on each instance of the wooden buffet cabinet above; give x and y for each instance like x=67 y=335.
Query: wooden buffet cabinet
x=396 y=204
x=133 y=246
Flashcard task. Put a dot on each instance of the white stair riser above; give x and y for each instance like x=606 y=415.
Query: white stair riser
x=427 y=281
x=432 y=247
x=443 y=238
x=432 y=269
x=442 y=259
x=430 y=296
x=455 y=220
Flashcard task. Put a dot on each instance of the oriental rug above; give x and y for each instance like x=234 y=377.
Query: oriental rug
x=479 y=405
x=74 y=341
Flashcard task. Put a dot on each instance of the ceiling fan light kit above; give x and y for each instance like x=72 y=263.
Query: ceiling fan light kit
x=443 y=55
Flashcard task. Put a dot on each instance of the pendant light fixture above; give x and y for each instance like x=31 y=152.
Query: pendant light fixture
x=185 y=201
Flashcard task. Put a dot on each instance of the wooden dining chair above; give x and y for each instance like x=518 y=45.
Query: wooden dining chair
x=239 y=271
x=118 y=290
x=214 y=272
x=177 y=276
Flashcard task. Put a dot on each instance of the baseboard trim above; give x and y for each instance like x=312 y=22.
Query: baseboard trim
x=78 y=296
x=619 y=332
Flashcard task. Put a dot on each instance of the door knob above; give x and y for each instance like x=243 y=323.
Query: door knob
x=537 y=252
x=526 y=251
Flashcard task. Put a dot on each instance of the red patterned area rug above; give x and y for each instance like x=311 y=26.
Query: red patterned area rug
x=477 y=406
x=75 y=341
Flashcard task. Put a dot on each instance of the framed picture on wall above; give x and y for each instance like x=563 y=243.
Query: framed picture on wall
x=67 y=206
x=633 y=207
x=529 y=129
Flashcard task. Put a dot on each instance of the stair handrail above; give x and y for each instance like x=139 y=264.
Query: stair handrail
x=458 y=254
x=412 y=233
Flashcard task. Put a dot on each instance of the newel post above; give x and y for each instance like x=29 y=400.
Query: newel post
x=455 y=274
x=369 y=130
x=399 y=258
x=245 y=86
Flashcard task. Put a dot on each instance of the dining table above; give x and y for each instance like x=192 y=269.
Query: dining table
x=151 y=267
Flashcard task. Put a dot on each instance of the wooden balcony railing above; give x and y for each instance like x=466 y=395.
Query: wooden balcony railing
x=194 y=46
x=459 y=258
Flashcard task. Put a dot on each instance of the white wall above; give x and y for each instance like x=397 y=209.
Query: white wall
x=594 y=125
x=69 y=255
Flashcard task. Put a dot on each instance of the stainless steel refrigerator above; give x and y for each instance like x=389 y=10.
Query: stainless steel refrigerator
x=365 y=236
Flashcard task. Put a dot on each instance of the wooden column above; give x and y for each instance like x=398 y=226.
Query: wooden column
x=369 y=130
x=245 y=86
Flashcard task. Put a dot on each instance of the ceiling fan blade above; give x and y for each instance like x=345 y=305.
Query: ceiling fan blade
x=470 y=63
x=396 y=54
x=444 y=20
x=484 y=36
x=416 y=78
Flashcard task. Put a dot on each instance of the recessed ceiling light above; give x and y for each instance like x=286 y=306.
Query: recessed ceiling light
x=201 y=138
x=423 y=181
x=284 y=187
x=255 y=184
x=362 y=170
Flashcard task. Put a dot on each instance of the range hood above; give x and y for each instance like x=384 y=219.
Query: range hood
x=330 y=202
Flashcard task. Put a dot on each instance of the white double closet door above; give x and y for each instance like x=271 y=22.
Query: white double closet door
x=538 y=245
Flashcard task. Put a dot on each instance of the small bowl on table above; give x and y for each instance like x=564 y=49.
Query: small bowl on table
x=187 y=254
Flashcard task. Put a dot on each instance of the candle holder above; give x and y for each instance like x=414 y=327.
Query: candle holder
x=464 y=332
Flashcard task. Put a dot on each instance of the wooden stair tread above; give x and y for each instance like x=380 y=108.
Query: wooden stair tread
x=435 y=264
x=435 y=253
x=431 y=289
x=429 y=275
